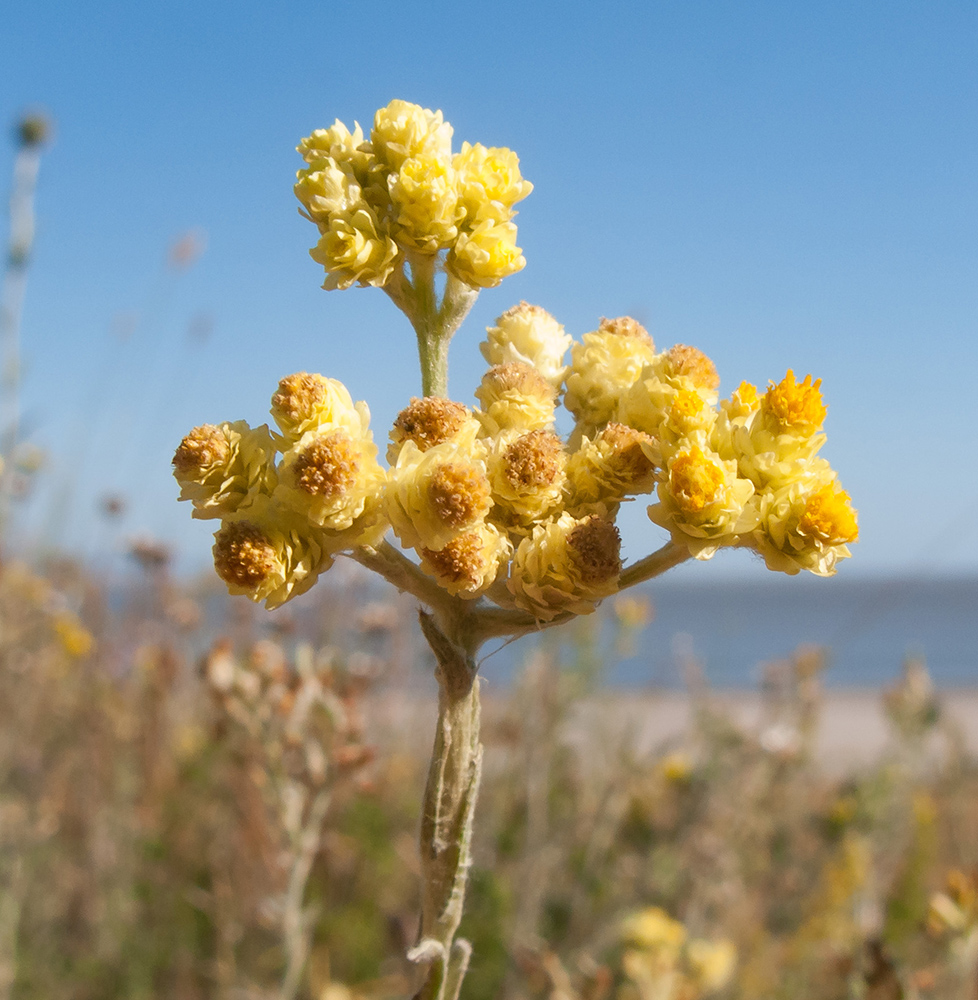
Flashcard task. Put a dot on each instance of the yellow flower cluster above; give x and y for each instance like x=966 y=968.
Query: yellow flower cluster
x=493 y=501
x=403 y=191
x=661 y=962
x=284 y=518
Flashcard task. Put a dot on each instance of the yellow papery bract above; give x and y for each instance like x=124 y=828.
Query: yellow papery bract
x=526 y=472
x=328 y=477
x=402 y=130
x=805 y=524
x=616 y=464
x=268 y=553
x=425 y=204
x=221 y=467
x=515 y=396
x=308 y=401
x=703 y=503
x=566 y=564
x=530 y=335
x=470 y=562
x=329 y=189
x=436 y=495
x=606 y=363
x=489 y=182
x=485 y=255
x=355 y=250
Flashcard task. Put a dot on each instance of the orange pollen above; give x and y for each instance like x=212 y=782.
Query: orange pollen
x=243 y=555
x=686 y=404
x=534 y=460
x=429 y=421
x=595 y=546
x=629 y=462
x=829 y=516
x=694 y=365
x=796 y=405
x=459 y=494
x=460 y=561
x=695 y=481
x=203 y=447
x=328 y=467
x=298 y=395
x=625 y=326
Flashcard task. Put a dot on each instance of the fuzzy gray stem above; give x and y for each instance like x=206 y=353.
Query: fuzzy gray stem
x=447 y=816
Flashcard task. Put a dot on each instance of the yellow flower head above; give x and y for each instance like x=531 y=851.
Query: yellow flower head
x=711 y=963
x=470 y=562
x=806 y=524
x=329 y=475
x=489 y=182
x=703 y=503
x=330 y=190
x=425 y=204
x=652 y=929
x=268 y=554
x=431 y=421
x=690 y=365
x=530 y=335
x=403 y=130
x=220 y=467
x=566 y=564
x=355 y=250
x=436 y=495
x=515 y=396
x=485 y=255
x=307 y=401
x=527 y=475
x=337 y=143
x=606 y=364
x=793 y=407
x=616 y=464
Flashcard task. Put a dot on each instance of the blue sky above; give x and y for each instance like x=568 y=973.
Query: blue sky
x=781 y=185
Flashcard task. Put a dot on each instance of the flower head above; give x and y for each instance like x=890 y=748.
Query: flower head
x=616 y=464
x=527 y=475
x=355 y=249
x=403 y=130
x=470 y=562
x=489 y=182
x=530 y=335
x=307 y=401
x=220 y=468
x=516 y=396
x=431 y=421
x=566 y=564
x=484 y=255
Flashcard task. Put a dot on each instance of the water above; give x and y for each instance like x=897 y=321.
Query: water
x=868 y=626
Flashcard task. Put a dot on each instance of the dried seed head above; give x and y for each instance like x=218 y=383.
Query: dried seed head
x=514 y=377
x=630 y=460
x=429 y=421
x=202 y=448
x=299 y=395
x=243 y=555
x=461 y=561
x=596 y=547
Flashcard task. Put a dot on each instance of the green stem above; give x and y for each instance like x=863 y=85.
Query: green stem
x=653 y=565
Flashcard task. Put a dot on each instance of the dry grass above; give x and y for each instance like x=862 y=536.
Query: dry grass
x=243 y=823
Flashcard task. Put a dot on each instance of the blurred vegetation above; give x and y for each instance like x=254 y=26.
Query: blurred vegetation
x=201 y=800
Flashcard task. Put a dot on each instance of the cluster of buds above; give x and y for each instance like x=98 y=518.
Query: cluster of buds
x=494 y=502
x=661 y=962
x=379 y=203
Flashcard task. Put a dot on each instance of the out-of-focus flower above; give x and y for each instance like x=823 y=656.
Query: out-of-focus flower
x=566 y=564
x=528 y=334
x=75 y=639
x=711 y=963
